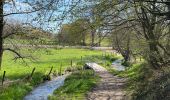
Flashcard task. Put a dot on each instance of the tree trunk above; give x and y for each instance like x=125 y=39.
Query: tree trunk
x=127 y=53
x=99 y=44
x=1 y=31
x=100 y=40
x=84 y=39
x=154 y=55
x=92 y=37
x=148 y=23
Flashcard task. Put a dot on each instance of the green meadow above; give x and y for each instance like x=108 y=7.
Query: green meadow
x=42 y=60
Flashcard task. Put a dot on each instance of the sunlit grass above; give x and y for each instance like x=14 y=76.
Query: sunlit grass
x=44 y=60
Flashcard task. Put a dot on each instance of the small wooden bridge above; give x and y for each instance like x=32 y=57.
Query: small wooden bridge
x=95 y=67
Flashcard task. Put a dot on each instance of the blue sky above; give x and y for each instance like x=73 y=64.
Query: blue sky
x=20 y=6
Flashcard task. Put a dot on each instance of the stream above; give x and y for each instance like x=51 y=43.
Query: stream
x=117 y=65
x=45 y=89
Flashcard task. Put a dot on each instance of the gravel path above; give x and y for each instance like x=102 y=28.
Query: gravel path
x=109 y=88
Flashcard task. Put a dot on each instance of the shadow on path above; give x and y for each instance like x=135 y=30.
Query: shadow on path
x=109 y=88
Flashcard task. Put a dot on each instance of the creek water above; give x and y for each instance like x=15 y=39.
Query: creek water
x=117 y=65
x=45 y=89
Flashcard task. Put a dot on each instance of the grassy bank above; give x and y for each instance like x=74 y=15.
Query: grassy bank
x=44 y=59
x=76 y=86
x=146 y=83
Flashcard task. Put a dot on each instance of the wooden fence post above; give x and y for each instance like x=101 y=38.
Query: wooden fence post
x=32 y=72
x=60 y=68
x=71 y=63
x=3 y=78
x=50 y=71
x=81 y=59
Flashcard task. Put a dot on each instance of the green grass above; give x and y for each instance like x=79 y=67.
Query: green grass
x=45 y=58
x=76 y=86
x=137 y=75
x=132 y=71
x=43 y=61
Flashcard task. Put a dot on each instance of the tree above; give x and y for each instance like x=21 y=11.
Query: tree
x=154 y=31
x=145 y=18
x=1 y=30
x=42 y=11
x=88 y=11
x=74 y=33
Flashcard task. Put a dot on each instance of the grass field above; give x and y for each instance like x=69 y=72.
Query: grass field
x=44 y=59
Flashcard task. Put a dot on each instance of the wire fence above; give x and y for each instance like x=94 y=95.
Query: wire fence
x=74 y=65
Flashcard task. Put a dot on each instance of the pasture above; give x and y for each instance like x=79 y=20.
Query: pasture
x=42 y=60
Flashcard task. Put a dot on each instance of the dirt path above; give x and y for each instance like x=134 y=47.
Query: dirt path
x=109 y=88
